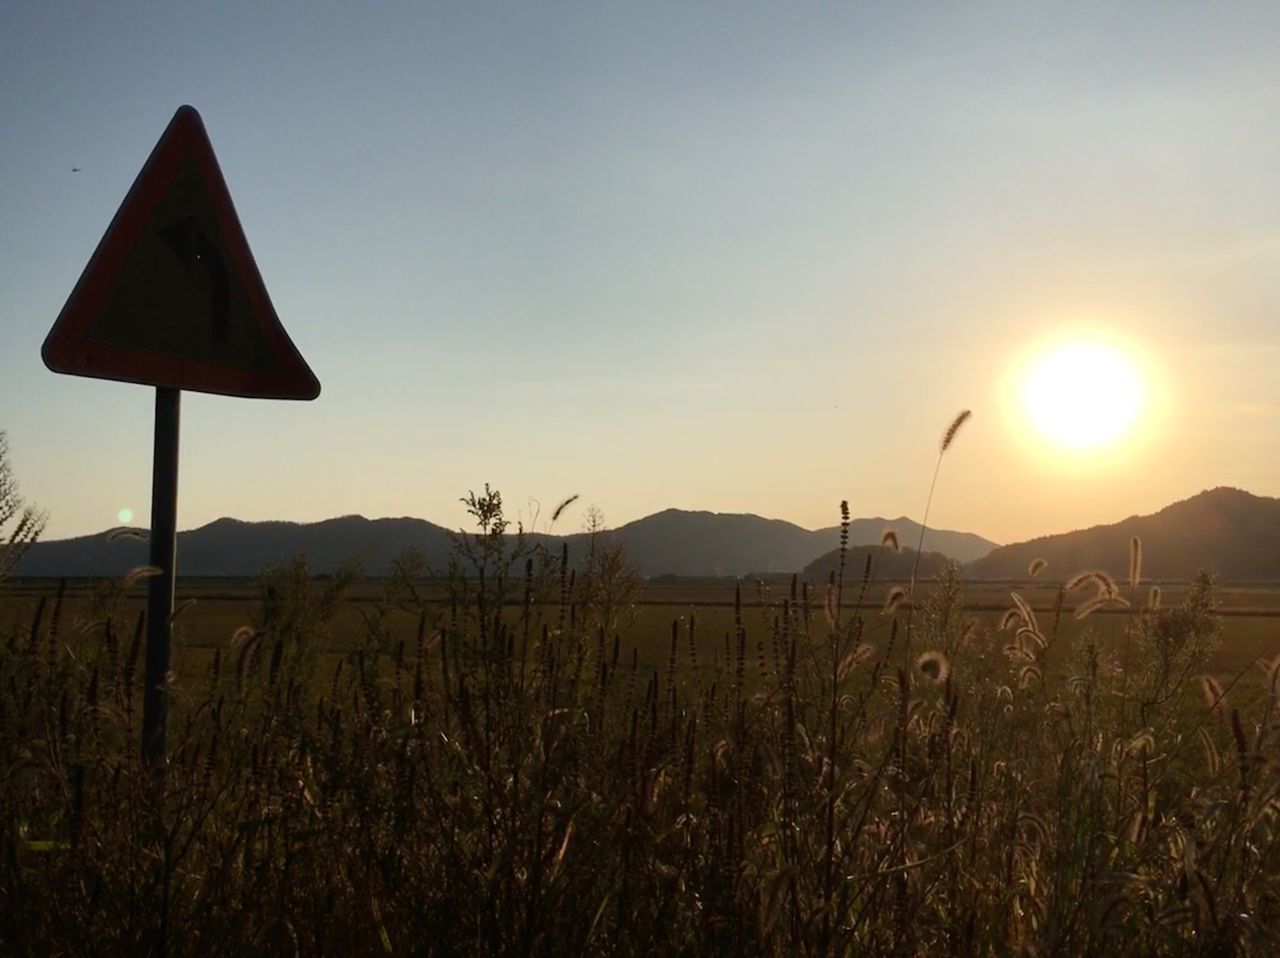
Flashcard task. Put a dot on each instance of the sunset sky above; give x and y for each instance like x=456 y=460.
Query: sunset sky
x=712 y=256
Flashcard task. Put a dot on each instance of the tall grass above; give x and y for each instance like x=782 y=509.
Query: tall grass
x=513 y=782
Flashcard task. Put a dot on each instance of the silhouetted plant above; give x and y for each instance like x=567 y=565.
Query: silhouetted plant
x=20 y=523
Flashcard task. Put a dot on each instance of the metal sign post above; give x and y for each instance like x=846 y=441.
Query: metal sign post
x=172 y=298
x=164 y=553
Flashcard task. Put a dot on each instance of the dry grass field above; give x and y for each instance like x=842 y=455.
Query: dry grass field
x=521 y=761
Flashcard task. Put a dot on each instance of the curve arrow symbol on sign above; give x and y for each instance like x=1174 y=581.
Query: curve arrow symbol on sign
x=192 y=246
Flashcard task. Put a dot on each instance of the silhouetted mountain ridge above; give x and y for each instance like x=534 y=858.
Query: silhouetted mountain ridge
x=671 y=542
x=1229 y=532
x=886 y=564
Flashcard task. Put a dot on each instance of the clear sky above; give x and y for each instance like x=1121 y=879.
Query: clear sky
x=746 y=258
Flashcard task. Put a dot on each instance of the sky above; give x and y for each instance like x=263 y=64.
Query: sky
x=736 y=257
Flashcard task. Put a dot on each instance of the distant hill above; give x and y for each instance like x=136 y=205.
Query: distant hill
x=673 y=542
x=676 y=542
x=961 y=546
x=229 y=547
x=886 y=565
x=1229 y=532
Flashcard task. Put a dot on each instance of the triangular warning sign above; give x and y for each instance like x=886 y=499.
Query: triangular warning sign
x=172 y=296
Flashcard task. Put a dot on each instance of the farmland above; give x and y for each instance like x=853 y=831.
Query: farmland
x=212 y=609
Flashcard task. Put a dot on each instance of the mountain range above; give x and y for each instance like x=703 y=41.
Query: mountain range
x=1227 y=531
x=672 y=542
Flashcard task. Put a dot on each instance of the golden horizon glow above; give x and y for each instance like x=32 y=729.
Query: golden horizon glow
x=1083 y=396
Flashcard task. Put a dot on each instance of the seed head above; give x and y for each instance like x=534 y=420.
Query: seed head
x=949 y=436
x=934 y=666
x=893 y=599
x=1213 y=693
x=563 y=506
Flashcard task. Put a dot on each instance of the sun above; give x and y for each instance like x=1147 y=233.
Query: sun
x=1083 y=396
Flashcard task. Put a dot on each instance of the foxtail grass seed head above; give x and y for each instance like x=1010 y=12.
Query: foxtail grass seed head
x=949 y=436
x=1036 y=567
x=181 y=609
x=1212 y=759
x=1079 y=580
x=893 y=599
x=1105 y=585
x=562 y=507
x=1086 y=609
x=1143 y=743
x=1034 y=636
x=890 y=539
x=138 y=573
x=934 y=666
x=1076 y=581
x=126 y=532
x=1028 y=614
x=858 y=656
x=845 y=667
x=1135 y=561
x=1213 y=693
x=240 y=635
x=1010 y=619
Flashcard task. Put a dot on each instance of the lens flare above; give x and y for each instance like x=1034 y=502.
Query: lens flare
x=125 y=515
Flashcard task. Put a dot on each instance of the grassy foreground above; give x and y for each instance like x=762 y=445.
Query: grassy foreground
x=513 y=780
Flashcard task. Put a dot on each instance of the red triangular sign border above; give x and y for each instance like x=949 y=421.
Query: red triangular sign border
x=68 y=348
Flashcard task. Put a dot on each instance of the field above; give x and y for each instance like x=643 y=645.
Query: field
x=213 y=609
x=517 y=760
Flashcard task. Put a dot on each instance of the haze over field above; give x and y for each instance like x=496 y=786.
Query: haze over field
x=727 y=257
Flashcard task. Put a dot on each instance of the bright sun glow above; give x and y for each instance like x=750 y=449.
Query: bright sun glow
x=125 y=515
x=1083 y=395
